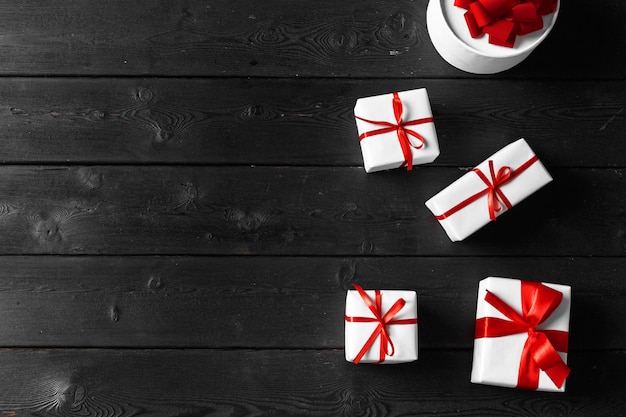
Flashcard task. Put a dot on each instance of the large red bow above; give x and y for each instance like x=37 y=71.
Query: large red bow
x=493 y=191
x=401 y=130
x=504 y=20
x=386 y=344
x=540 y=349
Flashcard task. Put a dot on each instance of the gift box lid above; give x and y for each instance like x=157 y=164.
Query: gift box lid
x=452 y=39
x=454 y=16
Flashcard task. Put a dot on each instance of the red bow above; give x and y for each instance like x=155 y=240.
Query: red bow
x=493 y=191
x=401 y=130
x=493 y=188
x=386 y=344
x=540 y=349
x=504 y=20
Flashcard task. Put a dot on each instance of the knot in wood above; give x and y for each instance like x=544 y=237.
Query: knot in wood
x=155 y=282
x=72 y=398
x=47 y=230
x=95 y=115
x=357 y=405
x=270 y=36
x=255 y=112
x=144 y=95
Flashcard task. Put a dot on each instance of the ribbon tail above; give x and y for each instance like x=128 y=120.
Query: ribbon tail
x=549 y=360
x=369 y=344
x=406 y=149
x=493 y=204
x=558 y=373
x=386 y=347
x=528 y=373
x=539 y=354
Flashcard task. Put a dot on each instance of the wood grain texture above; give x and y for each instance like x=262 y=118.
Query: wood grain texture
x=292 y=211
x=286 y=122
x=275 y=302
x=183 y=207
x=252 y=383
x=289 y=39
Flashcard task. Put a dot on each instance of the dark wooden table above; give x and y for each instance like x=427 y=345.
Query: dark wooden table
x=183 y=206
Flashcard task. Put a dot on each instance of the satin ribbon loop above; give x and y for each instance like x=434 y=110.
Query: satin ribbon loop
x=386 y=344
x=541 y=348
x=523 y=12
x=494 y=194
x=505 y=20
x=400 y=127
x=397 y=108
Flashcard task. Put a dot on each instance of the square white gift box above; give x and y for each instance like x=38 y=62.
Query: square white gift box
x=521 y=334
x=396 y=130
x=380 y=326
x=451 y=36
x=490 y=189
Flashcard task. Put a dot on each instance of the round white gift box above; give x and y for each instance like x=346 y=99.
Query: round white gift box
x=449 y=34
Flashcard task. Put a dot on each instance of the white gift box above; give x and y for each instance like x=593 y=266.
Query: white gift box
x=361 y=325
x=497 y=360
x=382 y=151
x=464 y=206
x=451 y=38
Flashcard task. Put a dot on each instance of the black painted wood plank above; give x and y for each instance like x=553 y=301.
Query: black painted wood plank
x=297 y=122
x=289 y=39
x=287 y=383
x=291 y=211
x=276 y=302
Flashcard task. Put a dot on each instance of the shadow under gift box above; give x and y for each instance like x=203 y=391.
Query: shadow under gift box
x=451 y=38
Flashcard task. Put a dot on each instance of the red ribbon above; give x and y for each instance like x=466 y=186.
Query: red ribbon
x=386 y=344
x=504 y=20
x=493 y=191
x=541 y=346
x=400 y=128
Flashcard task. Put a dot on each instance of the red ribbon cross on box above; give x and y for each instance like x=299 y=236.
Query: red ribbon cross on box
x=400 y=127
x=505 y=20
x=541 y=346
x=494 y=194
x=386 y=344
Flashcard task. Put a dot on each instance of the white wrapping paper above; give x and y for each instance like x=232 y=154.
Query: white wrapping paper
x=469 y=219
x=383 y=151
x=451 y=38
x=403 y=336
x=497 y=359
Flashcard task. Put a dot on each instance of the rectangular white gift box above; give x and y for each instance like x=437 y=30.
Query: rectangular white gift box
x=384 y=151
x=403 y=336
x=497 y=359
x=531 y=175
